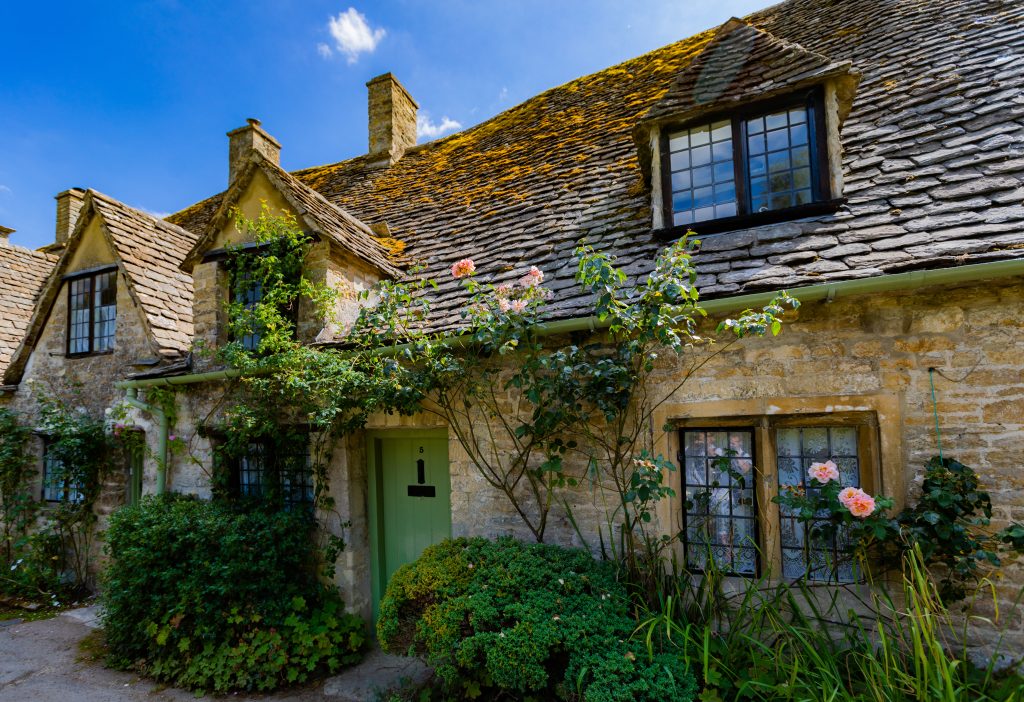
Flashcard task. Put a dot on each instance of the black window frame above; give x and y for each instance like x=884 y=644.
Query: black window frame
x=91 y=275
x=273 y=490
x=66 y=488
x=252 y=341
x=823 y=200
x=755 y=519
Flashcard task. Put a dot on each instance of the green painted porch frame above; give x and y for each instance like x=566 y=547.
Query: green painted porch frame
x=376 y=517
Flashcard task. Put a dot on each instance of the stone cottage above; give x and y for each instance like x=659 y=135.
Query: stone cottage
x=864 y=155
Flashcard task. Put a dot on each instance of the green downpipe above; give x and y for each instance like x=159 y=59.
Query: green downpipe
x=162 y=437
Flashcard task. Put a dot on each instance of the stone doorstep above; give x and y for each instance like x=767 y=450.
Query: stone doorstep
x=90 y=616
x=376 y=676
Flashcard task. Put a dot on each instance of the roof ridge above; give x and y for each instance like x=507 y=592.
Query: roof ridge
x=158 y=221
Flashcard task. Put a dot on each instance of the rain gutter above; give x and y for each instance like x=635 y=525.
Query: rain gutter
x=825 y=291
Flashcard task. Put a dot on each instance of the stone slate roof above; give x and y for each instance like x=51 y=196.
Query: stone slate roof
x=321 y=216
x=740 y=62
x=933 y=163
x=149 y=252
x=24 y=272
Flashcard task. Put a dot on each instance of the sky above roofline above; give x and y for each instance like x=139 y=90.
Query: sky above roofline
x=134 y=99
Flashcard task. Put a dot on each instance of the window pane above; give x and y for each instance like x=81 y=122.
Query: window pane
x=699 y=136
x=58 y=485
x=804 y=555
x=704 y=197
x=777 y=120
x=702 y=176
x=703 y=173
x=721 y=131
x=104 y=313
x=78 y=319
x=678 y=141
x=798 y=134
x=700 y=156
x=720 y=511
x=783 y=137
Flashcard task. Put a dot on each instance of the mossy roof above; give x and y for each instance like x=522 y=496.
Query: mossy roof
x=931 y=178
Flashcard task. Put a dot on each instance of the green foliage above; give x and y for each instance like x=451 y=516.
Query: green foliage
x=17 y=469
x=524 y=620
x=219 y=597
x=752 y=639
x=949 y=523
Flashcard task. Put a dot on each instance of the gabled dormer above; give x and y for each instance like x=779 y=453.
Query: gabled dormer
x=115 y=301
x=747 y=134
x=346 y=253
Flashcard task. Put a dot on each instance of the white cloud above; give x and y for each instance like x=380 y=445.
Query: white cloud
x=324 y=50
x=426 y=128
x=503 y=93
x=352 y=34
x=4 y=188
x=156 y=213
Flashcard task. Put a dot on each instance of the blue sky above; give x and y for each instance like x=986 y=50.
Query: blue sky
x=134 y=99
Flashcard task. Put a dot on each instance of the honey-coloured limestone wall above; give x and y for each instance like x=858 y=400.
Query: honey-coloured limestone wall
x=868 y=354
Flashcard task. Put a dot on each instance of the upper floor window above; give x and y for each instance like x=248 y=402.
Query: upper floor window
x=766 y=160
x=248 y=290
x=92 y=313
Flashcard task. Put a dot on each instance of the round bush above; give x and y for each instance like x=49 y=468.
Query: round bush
x=530 y=619
x=221 y=597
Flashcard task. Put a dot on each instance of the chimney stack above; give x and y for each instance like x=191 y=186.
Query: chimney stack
x=244 y=141
x=5 y=232
x=392 y=119
x=69 y=203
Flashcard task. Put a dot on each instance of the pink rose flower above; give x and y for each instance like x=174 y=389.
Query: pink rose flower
x=848 y=495
x=533 y=278
x=503 y=304
x=824 y=472
x=862 y=506
x=503 y=290
x=519 y=306
x=463 y=268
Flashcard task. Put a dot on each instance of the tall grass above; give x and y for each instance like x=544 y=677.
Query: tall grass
x=751 y=639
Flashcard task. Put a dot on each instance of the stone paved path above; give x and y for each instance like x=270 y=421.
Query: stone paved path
x=39 y=662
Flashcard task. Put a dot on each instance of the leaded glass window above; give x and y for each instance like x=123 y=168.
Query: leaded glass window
x=58 y=484
x=249 y=292
x=92 y=313
x=277 y=473
x=703 y=177
x=719 y=511
x=779 y=160
x=750 y=164
x=803 y=552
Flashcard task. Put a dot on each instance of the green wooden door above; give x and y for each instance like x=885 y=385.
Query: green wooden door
x=412 y=500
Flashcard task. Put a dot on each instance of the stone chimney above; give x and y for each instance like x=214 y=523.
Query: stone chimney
x=5 y=232
x=244 y=141
x=392 y=119
x=69 y=203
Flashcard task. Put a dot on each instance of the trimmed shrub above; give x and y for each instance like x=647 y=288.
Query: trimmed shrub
x=526 y=619
x=214 y=596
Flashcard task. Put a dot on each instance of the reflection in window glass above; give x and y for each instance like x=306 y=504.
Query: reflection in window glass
x=719 y=513
x=779 y=160
x=702 y=174
x=58 y=484
x=798 y=448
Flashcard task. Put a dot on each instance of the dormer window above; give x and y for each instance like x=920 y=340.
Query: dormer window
x=747 y=134
x=92 y=312
x=767 y=159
